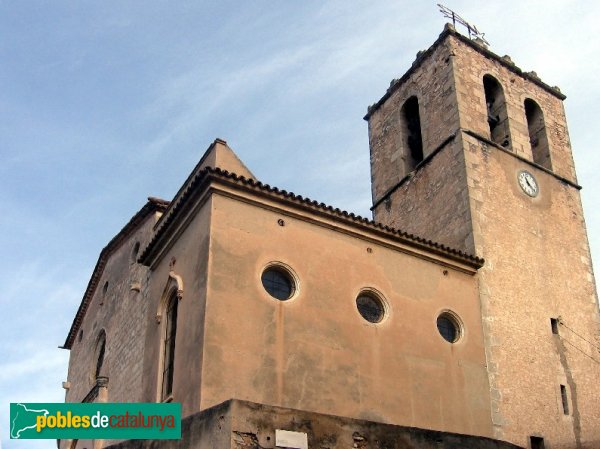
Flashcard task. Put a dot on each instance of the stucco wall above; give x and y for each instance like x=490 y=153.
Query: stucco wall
x=185 y=257
x=315 y=352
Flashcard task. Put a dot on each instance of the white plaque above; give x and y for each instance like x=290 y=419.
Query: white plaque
x=287 y=438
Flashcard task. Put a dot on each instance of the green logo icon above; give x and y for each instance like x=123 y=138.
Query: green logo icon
x=23 y=418
x=147 y=421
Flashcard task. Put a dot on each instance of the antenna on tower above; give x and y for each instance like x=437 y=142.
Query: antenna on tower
x=474 y=33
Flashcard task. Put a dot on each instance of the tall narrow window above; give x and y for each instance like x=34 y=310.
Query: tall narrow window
x=497 y=116
x=538 y=138
x=169 y=347
x=537 y=442
x=564 y=399
x=104 y=292
x=134 y=252
x=554 y=325
x=100 y=349
x=411 y=128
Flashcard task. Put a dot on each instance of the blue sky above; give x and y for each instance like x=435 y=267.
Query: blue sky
x=105 y=103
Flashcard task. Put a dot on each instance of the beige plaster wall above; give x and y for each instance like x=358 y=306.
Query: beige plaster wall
x=315 y=352
x=185 y=256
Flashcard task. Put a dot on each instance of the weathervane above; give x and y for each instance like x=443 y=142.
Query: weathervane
x=472 y=29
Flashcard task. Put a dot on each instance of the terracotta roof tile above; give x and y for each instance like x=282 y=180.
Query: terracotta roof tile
x=209 y=173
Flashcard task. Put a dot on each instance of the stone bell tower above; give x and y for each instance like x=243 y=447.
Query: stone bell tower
x=470 y=151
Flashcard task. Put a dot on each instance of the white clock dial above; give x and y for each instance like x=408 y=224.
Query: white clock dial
x=528 y=183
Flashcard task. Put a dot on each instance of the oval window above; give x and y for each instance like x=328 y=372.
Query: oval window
x=278 y=283
x=448 y=327
x=370 y=307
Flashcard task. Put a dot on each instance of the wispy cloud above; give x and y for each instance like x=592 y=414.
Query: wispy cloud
x=105 y=104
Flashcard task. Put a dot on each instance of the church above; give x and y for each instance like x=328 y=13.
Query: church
x=464 y=314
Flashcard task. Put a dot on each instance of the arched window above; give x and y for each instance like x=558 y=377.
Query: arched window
x=104 y=292
x=134 y=252
x=411 y=129
x=170 y=331
x=497 y=116
x=100 y=350
x=537 y=134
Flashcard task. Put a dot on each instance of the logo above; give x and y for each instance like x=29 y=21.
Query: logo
x=143 y=421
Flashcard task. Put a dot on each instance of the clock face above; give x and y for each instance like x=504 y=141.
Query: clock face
x=528 y=183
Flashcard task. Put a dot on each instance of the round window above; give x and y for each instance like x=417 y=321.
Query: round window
x=448 y=327
x=370 y=307
x=278 y=283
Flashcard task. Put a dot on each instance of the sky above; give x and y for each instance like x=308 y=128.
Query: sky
x=105 y=103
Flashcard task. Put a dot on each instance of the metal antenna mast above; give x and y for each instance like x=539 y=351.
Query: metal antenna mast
x=474 y=33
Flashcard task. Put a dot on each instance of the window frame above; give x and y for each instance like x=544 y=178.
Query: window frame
x=99 y=355
x=537 y=132
x=457 y=323
x=412 y=130
x=288 y=272
x=379 y=298
x=496 y=108
x=168 y=347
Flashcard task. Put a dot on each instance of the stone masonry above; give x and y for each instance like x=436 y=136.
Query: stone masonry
x=538 y=265
x=455 y=236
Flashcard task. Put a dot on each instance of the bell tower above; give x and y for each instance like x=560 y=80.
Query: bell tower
x=470 y=151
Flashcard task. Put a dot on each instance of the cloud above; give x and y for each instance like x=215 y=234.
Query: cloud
x=32 y=364
x=138 y=93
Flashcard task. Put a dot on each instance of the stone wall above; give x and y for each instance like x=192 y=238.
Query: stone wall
x=470 y=66
x=537 y=268
x=538 y=264
x=432 y=202
x=120 y=312
x=431 y=80
x=238 y=424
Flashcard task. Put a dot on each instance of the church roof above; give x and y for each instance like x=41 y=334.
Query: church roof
x=201 y=176
x=152 y=205
x=207 y=174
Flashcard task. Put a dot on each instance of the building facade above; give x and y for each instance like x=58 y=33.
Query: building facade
x=468 y=306
x=496 y=178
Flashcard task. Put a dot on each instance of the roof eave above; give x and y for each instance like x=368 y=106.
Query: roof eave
x=203 y=179
x=152 y=205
